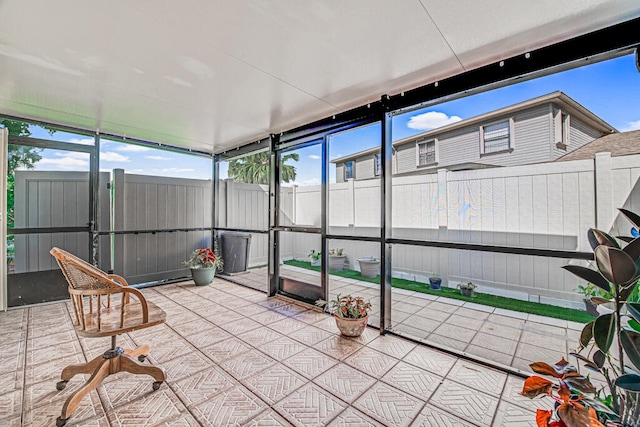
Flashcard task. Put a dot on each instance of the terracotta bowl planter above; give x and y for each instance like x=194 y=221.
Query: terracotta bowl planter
x=351 y=327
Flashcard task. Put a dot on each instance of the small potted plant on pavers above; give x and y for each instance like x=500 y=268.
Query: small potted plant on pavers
x=434 y=282
x=588 y=291
x=351 y=314
x=466 y=289
x=203 y=264
x=336 y=259
x=369 y=267
x=315 y=257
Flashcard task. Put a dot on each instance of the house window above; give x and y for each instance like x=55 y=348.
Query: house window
x=496 y=137
x=426 y=152
x=378 y=166
x=348 y=170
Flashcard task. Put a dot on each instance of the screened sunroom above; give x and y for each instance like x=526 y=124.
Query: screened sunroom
x=442 y=160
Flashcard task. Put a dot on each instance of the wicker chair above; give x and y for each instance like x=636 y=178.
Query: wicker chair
x=103 y=307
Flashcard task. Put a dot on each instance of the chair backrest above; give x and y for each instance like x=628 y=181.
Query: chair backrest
x=79 y=273
x=101 y=301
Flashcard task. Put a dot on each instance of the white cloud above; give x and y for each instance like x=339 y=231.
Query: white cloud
x=68 y=162
x=631 y=126
x=158 y=158
x=110 y=156
x=431 y=120
x=133 y=148
x=314 y=157
x=83 y=141
x=73 y=154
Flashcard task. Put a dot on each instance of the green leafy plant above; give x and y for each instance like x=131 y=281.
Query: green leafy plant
x=347 y=306
x=204 y=258
x=315 y=256
x=338 y=252
x=617 y=274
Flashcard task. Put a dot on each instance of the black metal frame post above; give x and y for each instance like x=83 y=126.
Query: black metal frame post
x=94 y=200
x=386 y=149
x=324 y=220
x=215 y=189
x=274 y=205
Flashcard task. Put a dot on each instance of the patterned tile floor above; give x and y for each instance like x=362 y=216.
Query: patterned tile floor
x=235 y=357
x=503 y=337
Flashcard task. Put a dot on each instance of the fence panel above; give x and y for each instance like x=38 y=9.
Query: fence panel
x=154 y=203
x=55 y=199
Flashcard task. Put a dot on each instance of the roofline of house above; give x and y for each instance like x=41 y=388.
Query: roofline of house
x=563 y=100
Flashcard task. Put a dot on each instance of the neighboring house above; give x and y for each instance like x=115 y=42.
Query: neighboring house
x=618 y=144
x=534 y=131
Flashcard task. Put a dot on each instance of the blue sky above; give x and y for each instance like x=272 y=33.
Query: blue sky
x=610 y=89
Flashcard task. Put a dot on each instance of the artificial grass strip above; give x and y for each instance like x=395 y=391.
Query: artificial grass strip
x=453 y=293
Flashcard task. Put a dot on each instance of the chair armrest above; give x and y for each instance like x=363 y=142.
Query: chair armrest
x=141 y=298
x=121 y=280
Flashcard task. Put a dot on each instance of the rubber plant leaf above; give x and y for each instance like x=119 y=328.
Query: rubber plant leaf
x=599 y=358
x=631 y=344
x=580 y=383
x=604 y=330
x=633 y=249
x=630 y=382
x=633 y=324
x=587 y=363
x=589 y=275
x=633 y=217
x=544 y=369
x=587 y=334
x=597 y=238
x=535 y=386
x=633 y=308
x=597 y=405
x=574 y=415
x=615 y=265
x=543 y=417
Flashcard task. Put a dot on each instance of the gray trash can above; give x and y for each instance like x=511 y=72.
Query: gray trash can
x=235 y=251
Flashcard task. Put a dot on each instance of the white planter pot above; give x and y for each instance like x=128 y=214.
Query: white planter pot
x=369 y=267
x=336 y=262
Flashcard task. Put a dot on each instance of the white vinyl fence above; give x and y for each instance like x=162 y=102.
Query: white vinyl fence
x=543 y=206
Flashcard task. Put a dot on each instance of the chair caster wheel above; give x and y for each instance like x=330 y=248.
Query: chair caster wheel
x=142 y=358
x=61 y=421
x=60 y=385
x=156 y=385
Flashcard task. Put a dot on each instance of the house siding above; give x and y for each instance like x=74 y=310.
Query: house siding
x=531 y=130
x=340 y=172
x=364 y=167
x=579 y=135
x=406 y=157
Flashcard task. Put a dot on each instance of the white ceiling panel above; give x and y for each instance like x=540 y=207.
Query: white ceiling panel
x=481 y=32
x=212 y=75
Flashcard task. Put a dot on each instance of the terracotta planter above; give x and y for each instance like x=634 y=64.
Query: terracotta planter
x=369 y=267
x=336 y=262
x=351 y=327
x=203 y=276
